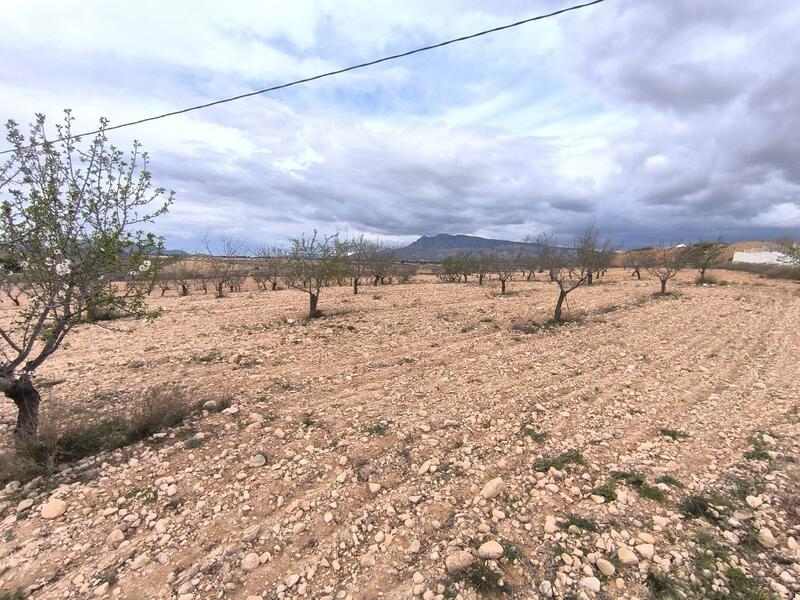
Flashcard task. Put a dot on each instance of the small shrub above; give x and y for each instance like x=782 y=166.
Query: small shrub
x=662 y=587
x=18 y=594
x=580 y=523
x=484 y=580
x=308 y=420
x=77 y=442
x=378 y=429
x=759 y=451
x=696 y=506
x=193 y=443
x=607 y=491
x=511 y=551
x=159 y=409
x=560 y=461
x=673 y=433
x=652 y=492
x=669 y=480
x=109 y=576
x=533 y=435
x=632 y=478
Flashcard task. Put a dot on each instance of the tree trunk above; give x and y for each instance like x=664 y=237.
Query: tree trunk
x=274 y=285
x=375 y=280
x=502 y=287
x=355 y=285
x=702 y=275
x=663 y=286
x=312 y=305
x=557 y=314
x=184 y=289
x=637 y=273
x=589 y=278
x=480 y=279
x=27 y=400
x=220 y=290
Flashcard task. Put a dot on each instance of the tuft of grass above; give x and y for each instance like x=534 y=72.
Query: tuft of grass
x=696 y=506
x=559 y=462
x=109 y=576
x=669 y=480
x=742 y=586
x=61 y=441
x=632 y=478
x=607 y=491
x=193 y=443
x=662 y=587
x=511 y=551
x=308 y=420
x=160 y=409
x=652 y=492
x=533 y=435
x=579 y=522
x=485 y=581
x=673 y=433
x=639 y=483
x=759 y=451
x=378 y=429
x=18 y=594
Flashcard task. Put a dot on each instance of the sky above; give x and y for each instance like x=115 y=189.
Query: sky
x=663 y=120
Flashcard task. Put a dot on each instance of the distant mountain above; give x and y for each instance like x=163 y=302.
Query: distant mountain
x=437 y=247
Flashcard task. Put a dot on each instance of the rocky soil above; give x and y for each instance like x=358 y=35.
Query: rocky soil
x=425 y=440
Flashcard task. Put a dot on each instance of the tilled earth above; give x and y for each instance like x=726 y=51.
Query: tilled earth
x=430 y=440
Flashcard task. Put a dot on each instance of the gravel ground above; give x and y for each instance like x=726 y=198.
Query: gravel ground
x=429 y=440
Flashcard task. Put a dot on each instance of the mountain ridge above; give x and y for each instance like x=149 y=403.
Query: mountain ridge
x=442 y=245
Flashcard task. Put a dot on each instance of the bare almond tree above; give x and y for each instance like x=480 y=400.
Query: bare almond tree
x=592 y=254
x=704 y=255
x=221 y=265
x=269 y=266
x=12 y=284
x=564 y=268
x=634 y=260
x=504 y=267
x=665 y=262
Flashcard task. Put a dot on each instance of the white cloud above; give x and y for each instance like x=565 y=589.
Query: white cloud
x=664 y=120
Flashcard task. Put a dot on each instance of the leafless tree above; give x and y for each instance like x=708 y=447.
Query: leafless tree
x=592 y=255
x=380 y=259
x=634 y=260
x=269 y=266
x=564 y=269
x=11 y=284
x=222 y=267
x=183 y=275
x=703 y=255
x=504 y=267
x=362 y=254
x=483 y=262
x=313 y=262
x=665 y=262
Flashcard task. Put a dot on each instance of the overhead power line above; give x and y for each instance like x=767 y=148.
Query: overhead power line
x=338 y=71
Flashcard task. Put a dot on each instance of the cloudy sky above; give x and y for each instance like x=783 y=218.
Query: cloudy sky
x=664 y=120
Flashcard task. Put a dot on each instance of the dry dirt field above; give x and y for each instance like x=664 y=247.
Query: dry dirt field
x=415 y=443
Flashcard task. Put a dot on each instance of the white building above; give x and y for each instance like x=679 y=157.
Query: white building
x=761 y=256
